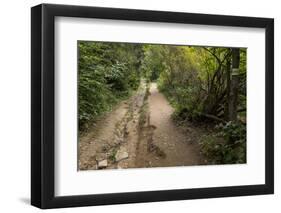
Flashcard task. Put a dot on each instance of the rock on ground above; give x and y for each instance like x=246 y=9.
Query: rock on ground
x=102 y=164
x=121 y=155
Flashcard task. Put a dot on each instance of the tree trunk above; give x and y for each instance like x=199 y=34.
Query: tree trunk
x=228 y=82
x=233 y=97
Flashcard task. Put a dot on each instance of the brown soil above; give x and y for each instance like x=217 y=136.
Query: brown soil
x=167 y=144
x=141 y=131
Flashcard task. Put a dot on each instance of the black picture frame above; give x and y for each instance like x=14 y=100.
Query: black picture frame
x=43 y=102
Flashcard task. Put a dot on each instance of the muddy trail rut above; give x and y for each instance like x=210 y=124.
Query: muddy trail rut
x=137 y=133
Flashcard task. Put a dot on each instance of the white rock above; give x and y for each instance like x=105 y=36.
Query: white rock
x=121 y=155
x=102 y=164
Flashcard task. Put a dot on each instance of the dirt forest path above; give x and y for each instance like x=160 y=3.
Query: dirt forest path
x=139 y=132
x=167 y=144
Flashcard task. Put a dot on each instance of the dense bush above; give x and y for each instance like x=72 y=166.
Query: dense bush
x=195 y=80
x=180 y=81
x=227 y=146
x=108 y=72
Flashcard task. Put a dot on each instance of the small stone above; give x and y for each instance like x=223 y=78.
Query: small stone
x=102 y=164
x=127 y=132
x=105 y=148
x=118 y=141
x=121 y=156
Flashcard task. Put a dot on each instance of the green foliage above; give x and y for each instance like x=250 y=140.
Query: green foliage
x=180 y=81
x=112 y=155
x=194 y=79
x=234 y=133
x=108 y=72
x=152 y=64
x=228 y=146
